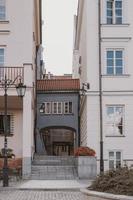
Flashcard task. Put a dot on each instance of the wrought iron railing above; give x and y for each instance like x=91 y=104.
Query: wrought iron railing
x=12 y=73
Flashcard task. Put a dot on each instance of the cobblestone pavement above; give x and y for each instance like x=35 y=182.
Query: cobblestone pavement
x=41 y=195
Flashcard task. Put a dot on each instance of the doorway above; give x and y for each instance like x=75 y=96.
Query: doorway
x=58 y=141
x=61 y=149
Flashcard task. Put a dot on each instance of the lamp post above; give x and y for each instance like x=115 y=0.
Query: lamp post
x=20 y=88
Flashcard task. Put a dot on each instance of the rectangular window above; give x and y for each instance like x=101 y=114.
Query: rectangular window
x=115 y=119
x=1 y=56
x=46 y=108
x=68 y=108
x=2 y=10
x=114 y=62
x=114 y=11
x=2 y=124
x=115 y=159
x=57 y=108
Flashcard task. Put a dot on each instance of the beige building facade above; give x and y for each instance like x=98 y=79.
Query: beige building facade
x=103 y=58
x=20 y=44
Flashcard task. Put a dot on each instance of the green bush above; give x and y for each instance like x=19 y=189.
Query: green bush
x=119 y=181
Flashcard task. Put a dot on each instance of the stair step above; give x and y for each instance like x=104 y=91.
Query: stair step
x=53 y=168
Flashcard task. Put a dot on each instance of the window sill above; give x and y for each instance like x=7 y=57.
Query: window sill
x=4 y=21
x=3 y=32
x=114 y=135
x=115 y=25
x=115 y=76
x=68 y=113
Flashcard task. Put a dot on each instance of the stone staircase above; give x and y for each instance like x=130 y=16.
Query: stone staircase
x=53 y=168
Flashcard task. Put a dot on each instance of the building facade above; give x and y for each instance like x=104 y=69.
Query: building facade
x=57 y=116
x=20 y=39
x=104 y=45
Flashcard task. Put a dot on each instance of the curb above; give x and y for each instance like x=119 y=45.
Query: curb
x=105 y=196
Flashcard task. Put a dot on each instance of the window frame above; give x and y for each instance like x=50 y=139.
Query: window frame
x=2 y=64
x=114 y=16
x=68 y=113
x=44 y=108
x=123 y=120
x=115 y=151
x=114 y=61
x=57 y=108
x=3 y=3
x=9 y=124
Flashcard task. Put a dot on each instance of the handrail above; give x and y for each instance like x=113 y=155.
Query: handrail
x=11 y=73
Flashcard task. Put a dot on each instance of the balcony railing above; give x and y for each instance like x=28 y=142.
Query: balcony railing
x=12 y=73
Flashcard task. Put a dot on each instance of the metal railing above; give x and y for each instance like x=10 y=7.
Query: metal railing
x=11 y=73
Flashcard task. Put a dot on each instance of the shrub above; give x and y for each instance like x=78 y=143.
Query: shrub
x=84 y=151
x=118 y=181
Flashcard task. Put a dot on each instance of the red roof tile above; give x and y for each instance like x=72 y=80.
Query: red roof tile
x=58 y=84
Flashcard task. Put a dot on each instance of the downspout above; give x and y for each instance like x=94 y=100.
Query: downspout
x=35 y=103
x=100 y=90
x=79 y=120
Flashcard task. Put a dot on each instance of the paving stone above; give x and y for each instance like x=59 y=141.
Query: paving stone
x=41 y=195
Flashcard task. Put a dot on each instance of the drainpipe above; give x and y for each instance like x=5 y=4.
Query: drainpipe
x=100 y=90
x=79 y=120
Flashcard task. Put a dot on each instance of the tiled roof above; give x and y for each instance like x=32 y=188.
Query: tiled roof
x=58 y=84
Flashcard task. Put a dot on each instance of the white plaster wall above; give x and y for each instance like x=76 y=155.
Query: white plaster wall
x=93 y=123
x=20 y=38
x=20 y=47
x=15 y=142
x=83 y=123
x=119 y=143
x=83 y=44
x=92 y=44
x=117 y=90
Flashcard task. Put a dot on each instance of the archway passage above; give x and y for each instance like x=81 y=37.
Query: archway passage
x=58 y=141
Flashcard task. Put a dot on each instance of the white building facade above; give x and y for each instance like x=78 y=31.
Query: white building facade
x=104 y=45
x=20 y=39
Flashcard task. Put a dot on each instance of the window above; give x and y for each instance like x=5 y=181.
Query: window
x=114 y=62
x=1 y=57
x=57 y=108
x=68 y=108
x=115 y=120
x=2 y=124
x=114 y=11
x=46 y=108
x=2 y=10
x=115 y=160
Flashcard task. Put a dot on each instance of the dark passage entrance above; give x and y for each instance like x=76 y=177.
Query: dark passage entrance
x=58 y=141
x=62 y=148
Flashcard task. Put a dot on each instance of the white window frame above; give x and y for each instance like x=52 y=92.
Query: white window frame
x=68 y=107
x=57 y=108
x=114 y=158
x=114 y=60
x=3 y=3
x=46 y=105
x=114 y=17
x=44 y=108
x=123 y=122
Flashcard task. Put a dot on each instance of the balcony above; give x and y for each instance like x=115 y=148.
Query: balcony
x=14 y=74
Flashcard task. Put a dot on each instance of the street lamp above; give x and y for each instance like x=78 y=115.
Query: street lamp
x=20 y=88
x=85 y=88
